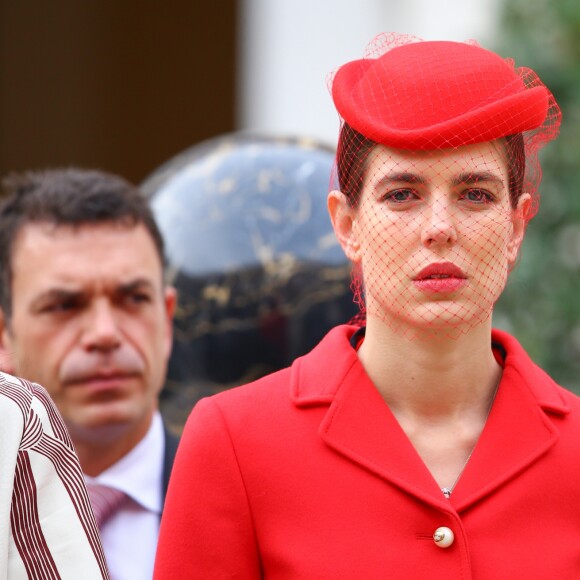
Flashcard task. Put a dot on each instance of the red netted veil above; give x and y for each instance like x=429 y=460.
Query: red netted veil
x=437 y=161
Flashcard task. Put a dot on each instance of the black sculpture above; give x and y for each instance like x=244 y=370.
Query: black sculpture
x=260 y=275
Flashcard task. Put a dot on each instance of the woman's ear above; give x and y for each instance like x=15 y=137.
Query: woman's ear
x=342 y=216
x=519 y=220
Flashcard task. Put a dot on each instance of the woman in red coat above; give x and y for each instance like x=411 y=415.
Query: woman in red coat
x=423 y=444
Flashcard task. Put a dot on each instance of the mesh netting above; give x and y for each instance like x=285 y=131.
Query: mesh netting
x=436 y=176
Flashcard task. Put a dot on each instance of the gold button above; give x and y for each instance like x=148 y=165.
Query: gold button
x=443 y=537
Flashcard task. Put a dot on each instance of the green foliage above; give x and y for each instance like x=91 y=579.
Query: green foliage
x=541 y=304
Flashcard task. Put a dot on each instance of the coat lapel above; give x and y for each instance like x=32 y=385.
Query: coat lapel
x=518 y=431
x=360 y=426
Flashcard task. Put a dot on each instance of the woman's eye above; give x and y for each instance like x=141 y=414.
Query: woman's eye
x=479 y=196
x=401 y=196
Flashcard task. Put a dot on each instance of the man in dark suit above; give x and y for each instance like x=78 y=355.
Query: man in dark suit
x=85 y=311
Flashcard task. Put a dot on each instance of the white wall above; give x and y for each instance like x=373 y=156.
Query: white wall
x=287 y=47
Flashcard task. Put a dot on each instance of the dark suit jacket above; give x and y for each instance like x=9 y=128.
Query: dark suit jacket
x=171 y=443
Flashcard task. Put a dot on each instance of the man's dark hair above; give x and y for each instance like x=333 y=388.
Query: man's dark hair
x=66 y=197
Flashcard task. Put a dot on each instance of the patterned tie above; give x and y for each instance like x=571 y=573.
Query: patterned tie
x=105 y=501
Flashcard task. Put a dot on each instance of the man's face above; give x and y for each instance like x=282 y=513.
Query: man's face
x=91 y=322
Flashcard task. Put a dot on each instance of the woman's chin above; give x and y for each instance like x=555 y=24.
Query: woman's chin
x=436 y=319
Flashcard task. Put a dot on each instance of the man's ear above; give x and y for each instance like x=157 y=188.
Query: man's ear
x=343 y=218
x=170 y=303
x=6 y=358
x=519 y=221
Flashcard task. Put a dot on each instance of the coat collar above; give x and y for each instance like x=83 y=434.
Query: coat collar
x=541 y=385
x=360 y=426
x=334 y=357
x=332 y=360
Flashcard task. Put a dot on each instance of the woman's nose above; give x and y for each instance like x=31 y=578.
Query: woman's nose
x=439 y=224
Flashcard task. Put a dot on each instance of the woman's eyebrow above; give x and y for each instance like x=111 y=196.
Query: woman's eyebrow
x=401 y=177
x=477 y=177
x=466 y=177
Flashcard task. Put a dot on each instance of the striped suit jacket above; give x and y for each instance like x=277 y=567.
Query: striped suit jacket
x=47 y=528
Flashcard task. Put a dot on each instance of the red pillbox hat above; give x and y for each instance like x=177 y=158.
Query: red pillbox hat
x=438 y=94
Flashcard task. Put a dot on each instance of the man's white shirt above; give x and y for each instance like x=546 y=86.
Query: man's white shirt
x=130 y=536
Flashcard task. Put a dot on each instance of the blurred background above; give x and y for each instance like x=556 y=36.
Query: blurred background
x=129 y=86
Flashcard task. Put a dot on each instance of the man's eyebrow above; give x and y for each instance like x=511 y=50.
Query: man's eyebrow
x=139 y=283
x=477 y=177
x=57 y=294
x=64 y=294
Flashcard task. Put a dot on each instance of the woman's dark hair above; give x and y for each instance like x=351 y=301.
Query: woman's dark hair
x=354 y=149
x=516 y=158
x=352 y=154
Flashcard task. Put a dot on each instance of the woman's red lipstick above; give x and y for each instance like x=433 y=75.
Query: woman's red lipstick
x=442 y=278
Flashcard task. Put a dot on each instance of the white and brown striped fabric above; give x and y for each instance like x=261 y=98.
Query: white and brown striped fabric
x=47 y=528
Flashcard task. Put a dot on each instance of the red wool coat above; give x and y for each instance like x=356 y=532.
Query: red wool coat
x=307 y=474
